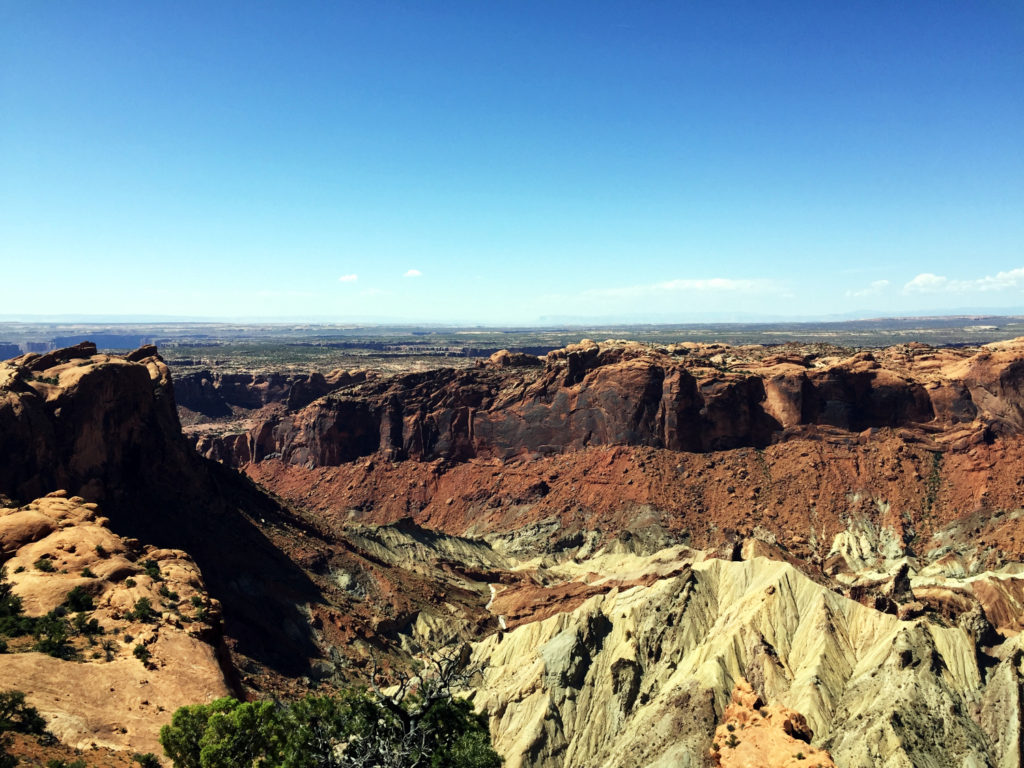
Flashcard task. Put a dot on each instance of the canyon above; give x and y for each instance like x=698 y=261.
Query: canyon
x=678 y=554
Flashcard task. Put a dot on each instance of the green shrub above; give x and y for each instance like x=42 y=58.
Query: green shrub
x=51 y=632
x=87 y=573
x=142 y=653
x=146 y=760
x=85 y=626
x=12 y=621
x=152 y=569
x=129 y=582
x=79 y=600
x=44 y=564
x=17 y=716
x=170 y=595
x=143 y=611
x=101 y=551
x=181 y=739
x=350 y=729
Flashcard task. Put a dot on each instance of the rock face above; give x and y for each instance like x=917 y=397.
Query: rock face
x=108 y=696
x=86 y=422
x=105 y=428
x=682 y=398
x=215 y=395
x=755 y=736
x=641 y=676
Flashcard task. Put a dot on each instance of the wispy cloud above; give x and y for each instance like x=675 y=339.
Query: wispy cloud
x=348 y=278
x=875 y=288
x=927 y=282
x=413 y=273
x=708 y=285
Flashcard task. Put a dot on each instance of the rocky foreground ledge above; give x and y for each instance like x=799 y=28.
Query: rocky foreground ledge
x=150 y=637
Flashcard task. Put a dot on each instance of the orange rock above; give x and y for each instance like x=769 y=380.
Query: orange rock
x=752 y=735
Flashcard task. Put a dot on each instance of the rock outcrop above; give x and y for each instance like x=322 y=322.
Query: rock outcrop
x=86 y=422
x=105 y=427
x=123 y=671
x=755 y=736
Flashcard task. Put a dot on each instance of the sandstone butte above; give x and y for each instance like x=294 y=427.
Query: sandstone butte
x=643 y=546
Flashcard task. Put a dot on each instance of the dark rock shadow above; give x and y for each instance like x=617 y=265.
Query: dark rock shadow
x=259 y=587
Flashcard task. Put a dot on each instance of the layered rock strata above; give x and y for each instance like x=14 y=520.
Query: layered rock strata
x=641 y=676
x=684 y=397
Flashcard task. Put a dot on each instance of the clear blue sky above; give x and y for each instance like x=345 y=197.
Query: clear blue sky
x=500 y=162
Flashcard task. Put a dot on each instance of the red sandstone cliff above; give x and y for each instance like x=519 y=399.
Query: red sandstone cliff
x=694 y=398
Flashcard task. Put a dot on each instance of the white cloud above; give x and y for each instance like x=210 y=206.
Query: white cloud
x=348 y=278
x=413 y=273
x=708 y=285
x=875 y=288
x=927 y=282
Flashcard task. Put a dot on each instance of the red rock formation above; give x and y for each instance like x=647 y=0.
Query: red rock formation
x=800 y=493
x=683 y=398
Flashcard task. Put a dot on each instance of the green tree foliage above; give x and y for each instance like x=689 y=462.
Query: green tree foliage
x=143 y=611
x=17 y=716
x=152 y=569
x=419 y=725
x=251 y=734
x=346 y=731
x=79 y=600
x=51 y=632
x=181 y=739
x=141 y=653
x=12 y=621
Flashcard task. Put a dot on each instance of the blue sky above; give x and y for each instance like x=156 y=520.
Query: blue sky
x=507 y=162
